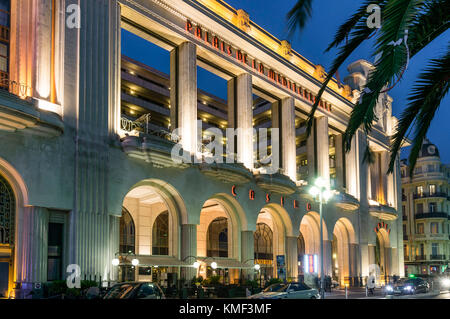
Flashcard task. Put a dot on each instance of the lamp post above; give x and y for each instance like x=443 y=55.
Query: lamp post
x=256 y=267
x=321 y=189
x=117 y=257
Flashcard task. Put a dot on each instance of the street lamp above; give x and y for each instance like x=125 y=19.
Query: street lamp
x=117 y=256
x=321 y=188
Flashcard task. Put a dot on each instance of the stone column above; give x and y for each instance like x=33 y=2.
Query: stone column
x=323 y=159
x=328 y=257
x=183 y=94
x=287 y=138
x=34 y=247
x=359 y=146
x=247 y=253
x=240 y=116
x=188 y=248
x=291 y=258
x=352 y=170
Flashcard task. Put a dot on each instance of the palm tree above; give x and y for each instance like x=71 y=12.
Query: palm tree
x=417 y=23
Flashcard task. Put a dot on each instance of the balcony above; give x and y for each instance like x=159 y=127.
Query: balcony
x=234 y=173
x=437 y=257
x=144 y=143
x=383 y=212
x=276 y=183
x=346 y=201
x=430 y=195
x=18 y=114
x=431 y=215
x=421 y=258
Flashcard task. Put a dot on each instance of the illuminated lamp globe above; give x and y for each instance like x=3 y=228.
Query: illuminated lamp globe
x=196 y=265
x=314 y=191
x=135 y=262
x=214 y=265
x=115 y=262
x=257 y=267
x=327 y=194
x=321 y=182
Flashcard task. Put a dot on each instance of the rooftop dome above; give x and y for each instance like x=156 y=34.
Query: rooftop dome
x=428 y=149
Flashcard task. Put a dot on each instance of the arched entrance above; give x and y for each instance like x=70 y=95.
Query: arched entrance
x=272 y=227
x=149 y=232
x=382 y=255
x=217 y=241
x=7 y=232
x=310 y=232
x=344 y=253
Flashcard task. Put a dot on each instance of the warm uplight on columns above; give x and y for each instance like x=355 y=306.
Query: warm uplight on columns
x=323 y=159
x=183 y=95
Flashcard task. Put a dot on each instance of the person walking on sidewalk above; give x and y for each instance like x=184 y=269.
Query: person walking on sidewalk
x=371 y=284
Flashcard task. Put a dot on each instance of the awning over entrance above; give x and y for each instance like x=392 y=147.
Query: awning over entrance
x=229 y=263
x=161 y=261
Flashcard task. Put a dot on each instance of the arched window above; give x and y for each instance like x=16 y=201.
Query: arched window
x=160 y=235
x=127 y=233
x=217 y=238
x=7 y=213
x=263 y=239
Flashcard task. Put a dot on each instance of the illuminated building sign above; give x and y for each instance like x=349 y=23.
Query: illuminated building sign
x=382 y=225
x=252 y=195
x=310 y=264
x=258 y=67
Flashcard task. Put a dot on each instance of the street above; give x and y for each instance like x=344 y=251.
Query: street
x=359 y=293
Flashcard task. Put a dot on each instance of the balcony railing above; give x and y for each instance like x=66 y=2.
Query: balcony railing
x=425 y=195
x=421 y=257
x=437 y=257
x=431 y=215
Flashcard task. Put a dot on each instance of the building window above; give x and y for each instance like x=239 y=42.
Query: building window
x=127 y=233
x=432 y=207
x=405 y=251
x=432 y=189
x=419 y=208
x=55 y=253
x=7 y=213
x=4 y=43
x=218 y=238
x=434 y=249
x=263 y=240
x=420 y=191
x=418 y=170
x=160 y=235
x=420 y=228
x=434 y=228
x=404 y=229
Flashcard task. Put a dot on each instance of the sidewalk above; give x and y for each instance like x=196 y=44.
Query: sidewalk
x=354 y=293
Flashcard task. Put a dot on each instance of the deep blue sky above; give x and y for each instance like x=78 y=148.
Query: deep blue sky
x=328 y=15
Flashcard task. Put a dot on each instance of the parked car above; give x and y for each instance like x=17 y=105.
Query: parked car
x=293 y=290
x=407 y=286
x=135 y=290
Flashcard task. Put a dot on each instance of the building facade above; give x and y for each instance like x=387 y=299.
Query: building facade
x=88 y=176
x=426 y=204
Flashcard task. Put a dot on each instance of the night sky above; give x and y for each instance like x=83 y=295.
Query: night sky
x=328 y=15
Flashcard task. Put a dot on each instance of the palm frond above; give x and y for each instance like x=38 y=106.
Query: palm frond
x=429 y=24
x=430 y=89
x=358 y=36
x=346 y=28
x=398 y=16
x=299 y=15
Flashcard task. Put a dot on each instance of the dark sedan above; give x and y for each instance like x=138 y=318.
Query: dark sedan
x=408 y=286
x=135 y=290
